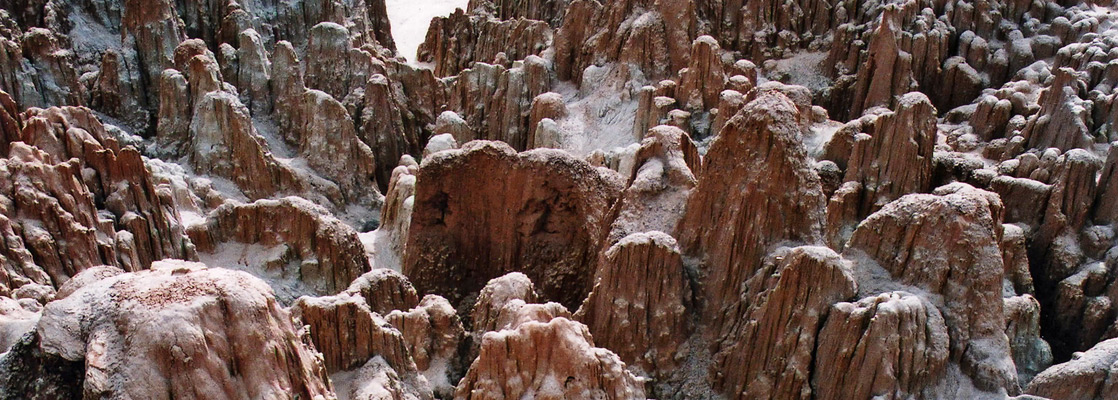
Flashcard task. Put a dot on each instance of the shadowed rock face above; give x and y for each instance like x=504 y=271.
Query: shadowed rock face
x=545 y=217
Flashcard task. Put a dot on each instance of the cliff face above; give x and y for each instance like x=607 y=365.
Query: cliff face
x=546 y=218
x=558 y=199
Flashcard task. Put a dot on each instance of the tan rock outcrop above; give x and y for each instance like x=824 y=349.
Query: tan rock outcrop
x=496 y=101
x=887 y=154
x=17 y=317
x=433 y=332
x=641 y=303
x=886 y=70
x=767 y=348
x=299 y=241
x=893 y=345
x=910 y=239
x=336 y=62
x=391 y=237
x=319 y=127
x=653 y=36
x=551 y=106
x=377 y=380
x=116 y=177
x=497 y=293
x=568 y=365
x=1062 y=119
x=11 y=124
x=662 y=180
x=702 y=82
x=652 y=110
x=49 y=221
x=1089 y=377
x=1025 y=199
x=456 y=41
x=542 y=10
x=449 y=122
x=385 y=290
x=348 y=333
x=225 y=143
x=228 y=319
x=546 y=218
x=897 y=158
x=202 y=117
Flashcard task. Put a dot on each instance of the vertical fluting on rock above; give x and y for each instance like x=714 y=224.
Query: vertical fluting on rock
x=546 y=217
x=756 y=189
x=568 y=365
x=641 y=301
x=907 y=239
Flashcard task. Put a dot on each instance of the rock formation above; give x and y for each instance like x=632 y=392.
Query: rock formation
x=894 y=344
x=456 y=41
x=490 y=307
x=433 y=333
x=772 y=341
x=1087 y=377
x=545 y=218
x=227 y=318
x=907 y=240
x=643 y=323
x=569 y=363
x=385 y=290
x=744 y=199
x=348 y=333
x=737 y=199
x=296 y=240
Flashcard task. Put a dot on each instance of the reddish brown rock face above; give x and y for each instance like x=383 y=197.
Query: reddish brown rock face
x=348 y=333
x=120 y=181
x=73 y=177
x=756 y=189
x=545 y=217
x=455 y=42
x=385 y=290
x=643 y=323
x=773 y=338
x=893 y=345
